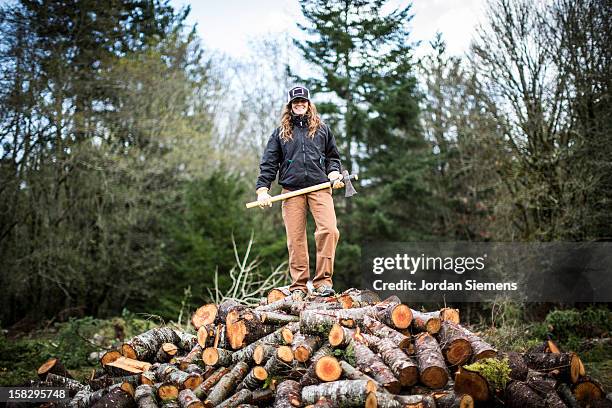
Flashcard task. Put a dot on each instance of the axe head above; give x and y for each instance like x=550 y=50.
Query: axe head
x=349 y=190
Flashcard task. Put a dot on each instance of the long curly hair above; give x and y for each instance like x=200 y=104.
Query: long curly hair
x=314 y=121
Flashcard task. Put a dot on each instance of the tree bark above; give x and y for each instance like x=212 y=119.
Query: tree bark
x=371 y=364
x=203 y=389
x=347 y=393
x=144 y=346
x=426 y=322
x=239 y=398
x=562 y=365
x=304 y=346
x=432 y=369
x=226 y=384
x=187 y=399
x=402 y=366
x=288 y=395
x=375 y=327
x=520 y=395
x=217 y=357
x=454 y=344
x=145 y=396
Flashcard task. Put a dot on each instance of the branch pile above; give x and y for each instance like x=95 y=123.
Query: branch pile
x=351 y=350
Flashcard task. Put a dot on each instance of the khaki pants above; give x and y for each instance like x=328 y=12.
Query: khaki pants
x=326 y=234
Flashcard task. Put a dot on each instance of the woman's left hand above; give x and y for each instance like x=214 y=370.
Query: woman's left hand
x=336 y=179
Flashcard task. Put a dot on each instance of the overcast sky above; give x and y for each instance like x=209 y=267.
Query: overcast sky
x=227 y=25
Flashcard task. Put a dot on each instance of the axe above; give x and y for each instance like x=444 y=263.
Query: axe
x=349 y=190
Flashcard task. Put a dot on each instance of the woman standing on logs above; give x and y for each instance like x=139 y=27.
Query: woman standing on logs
x=302 y=150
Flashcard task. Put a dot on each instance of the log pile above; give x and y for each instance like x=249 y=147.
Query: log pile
x=350 y=350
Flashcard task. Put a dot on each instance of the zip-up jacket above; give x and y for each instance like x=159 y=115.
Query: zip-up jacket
x=301 y=161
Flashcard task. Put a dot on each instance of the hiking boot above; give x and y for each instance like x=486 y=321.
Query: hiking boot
x=324 y=290
x=298 y=294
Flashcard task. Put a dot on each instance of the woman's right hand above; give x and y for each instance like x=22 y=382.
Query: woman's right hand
x=263 y=198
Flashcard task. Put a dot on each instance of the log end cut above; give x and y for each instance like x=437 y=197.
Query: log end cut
x=328 y=368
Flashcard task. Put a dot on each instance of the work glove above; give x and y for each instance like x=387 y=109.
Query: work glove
x=263 y=198
x=336 y=179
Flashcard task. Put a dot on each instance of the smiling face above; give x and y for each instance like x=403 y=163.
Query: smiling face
x=299 y=106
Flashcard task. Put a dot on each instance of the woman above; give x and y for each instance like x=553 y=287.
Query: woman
x=303 y=152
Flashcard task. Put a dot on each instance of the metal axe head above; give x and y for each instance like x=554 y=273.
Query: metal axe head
x=349 y=190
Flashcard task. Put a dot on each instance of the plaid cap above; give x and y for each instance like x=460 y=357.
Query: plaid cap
x=298 y=92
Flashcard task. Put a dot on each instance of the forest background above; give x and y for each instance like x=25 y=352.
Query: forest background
x=127 y=150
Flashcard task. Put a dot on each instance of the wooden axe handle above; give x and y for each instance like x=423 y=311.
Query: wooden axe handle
x=301 y=191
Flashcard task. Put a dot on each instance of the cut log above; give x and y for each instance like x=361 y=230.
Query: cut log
x=346 y=393
x=263 y=397
x=472 y=383
x=144 y=346
x=106 y=381
x=277 y=318
x=278 y=294
x=281 y=336
x=244 y=327
x=520 y=395
x=127 y=366
x=323 y=403
x=73 y=386
x=225 y=308
x=170 y=374
x=280 y=362
x=327 y=368
x=304 y=346
x=371 y=364
x=382 y=330
x=567 y=396
x=53 y=365
x=145 y=396
x=238 y=399
x=217 y=357
x=187 y=399
x=118 y=397
x=393 y=313
x=450 y=314
x=192 y=357
x=288 y=395
x=386 y=400
x=254 y=379
x=352 y=373
x=204 y=315
x=426 y=322
x=432 y=369
x=206 y=335
x=316 y=323
x=87 y=398
x=416 y=401
x=450 y=399
x=263 y=352
x=310 y=377
x=340 y=336
x=517 y=365
x=166 y=352
x=203 y=389
x=167 y=392
x=186 y=341
x=480 y=348
x=402 y=366
x=226 y=385
x=454 y=344
x=562 y=365
x=148 y=377
x=587 y=390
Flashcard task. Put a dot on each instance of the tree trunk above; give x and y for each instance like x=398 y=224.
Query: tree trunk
x=53 y=365
x=480 y=348
x=382 y=330
x=450 y=399
x=278 y=294
x=454 y=344
x=347 y=393
x=562 y=365
x=106 y=381
x=520 y=395
x=426 y=322
x=327 y=368
x=402 y=366
x=145 y=396
x=472 y=383
x=244 y=327
x=280 y=362
x=304 y=346
x=288 y=395
x=226 y=385
x=263 y=352
x=281 y=336
x=116 y=398
x=168 y=373
x=166 y=352
x=371 y=364
x=432 y=369
x=416 y=401
x=73 y=386
x=144 y=346
x=203 y=389
x=239 y=398
x=254 y=379
x=217 y=357
x=187 y=399
x=310 y=377
x=352 y=373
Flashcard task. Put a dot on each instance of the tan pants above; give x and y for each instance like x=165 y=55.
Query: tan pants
x=326 y=234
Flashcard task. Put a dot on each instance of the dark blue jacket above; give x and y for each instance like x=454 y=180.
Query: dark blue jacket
x=301 y=161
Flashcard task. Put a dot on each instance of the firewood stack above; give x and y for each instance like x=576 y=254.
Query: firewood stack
x=348 y=350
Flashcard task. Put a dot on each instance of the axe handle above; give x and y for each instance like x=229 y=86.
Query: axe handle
x=301 y=191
